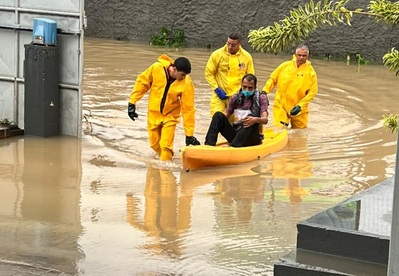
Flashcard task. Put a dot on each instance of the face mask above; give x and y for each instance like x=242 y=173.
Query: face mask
x=247 y=93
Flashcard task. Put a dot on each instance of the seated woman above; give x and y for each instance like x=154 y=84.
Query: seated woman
x=250 y=109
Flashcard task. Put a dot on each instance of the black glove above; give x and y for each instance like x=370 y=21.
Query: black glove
x=191 y=140
x=221 y=94
x=131 y=111
x=295 y=110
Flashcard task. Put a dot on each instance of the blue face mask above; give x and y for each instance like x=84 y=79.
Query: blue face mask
x=247 y=93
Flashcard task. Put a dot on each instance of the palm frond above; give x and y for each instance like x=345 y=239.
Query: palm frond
x=385 y=11
x=299 y=25
x=391 y=60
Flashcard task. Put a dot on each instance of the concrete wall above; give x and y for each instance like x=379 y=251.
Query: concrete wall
x=207 y=23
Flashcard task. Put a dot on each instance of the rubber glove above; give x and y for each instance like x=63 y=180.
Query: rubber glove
x=191 y=140
x=295 y=110
x=221 y=94
x=131 y=111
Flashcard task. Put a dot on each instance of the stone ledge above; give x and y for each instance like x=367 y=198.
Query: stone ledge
x=303 y=263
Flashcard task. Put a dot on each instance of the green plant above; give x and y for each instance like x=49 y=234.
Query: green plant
x=391 y=60
x=167 y=37
x=361 y=60
x=391 y=122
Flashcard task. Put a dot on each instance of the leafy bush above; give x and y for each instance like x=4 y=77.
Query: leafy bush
x=167 y=37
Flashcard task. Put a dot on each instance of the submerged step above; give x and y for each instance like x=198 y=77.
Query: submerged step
x=307 y=263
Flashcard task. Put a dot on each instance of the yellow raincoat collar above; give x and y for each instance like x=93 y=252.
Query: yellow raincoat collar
x=226 y=49
x=165 y=60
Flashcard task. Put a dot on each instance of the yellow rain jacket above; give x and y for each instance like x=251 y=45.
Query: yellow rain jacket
x=165 y=104
x=295 y=86
x=225 y=70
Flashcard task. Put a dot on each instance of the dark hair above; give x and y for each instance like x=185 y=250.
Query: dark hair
x=235 y=36
x=250 y=77
x=182 y=64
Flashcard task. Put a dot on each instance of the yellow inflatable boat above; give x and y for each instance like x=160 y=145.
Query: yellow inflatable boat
x=194 y=157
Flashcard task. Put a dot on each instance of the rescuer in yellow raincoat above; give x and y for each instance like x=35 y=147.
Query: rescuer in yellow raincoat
x=224 y=71
x=171 y=94
x=296 y=82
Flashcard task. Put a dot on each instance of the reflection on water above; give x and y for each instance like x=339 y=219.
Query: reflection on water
x=345 y=216
x=166 y=215
x=236 y=197
x=40 y=204
x=293 y=164
x=105 y=205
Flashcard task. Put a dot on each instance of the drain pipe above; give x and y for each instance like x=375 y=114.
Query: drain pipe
x=393 y=264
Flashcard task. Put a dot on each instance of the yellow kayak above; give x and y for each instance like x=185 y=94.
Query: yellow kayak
x=194 y=157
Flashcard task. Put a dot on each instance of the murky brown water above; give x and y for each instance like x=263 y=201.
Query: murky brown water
x=104 y=205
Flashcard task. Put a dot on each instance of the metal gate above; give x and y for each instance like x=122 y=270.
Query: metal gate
x=16 y=24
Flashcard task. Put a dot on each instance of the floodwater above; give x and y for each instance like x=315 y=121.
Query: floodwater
x=104 y=204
